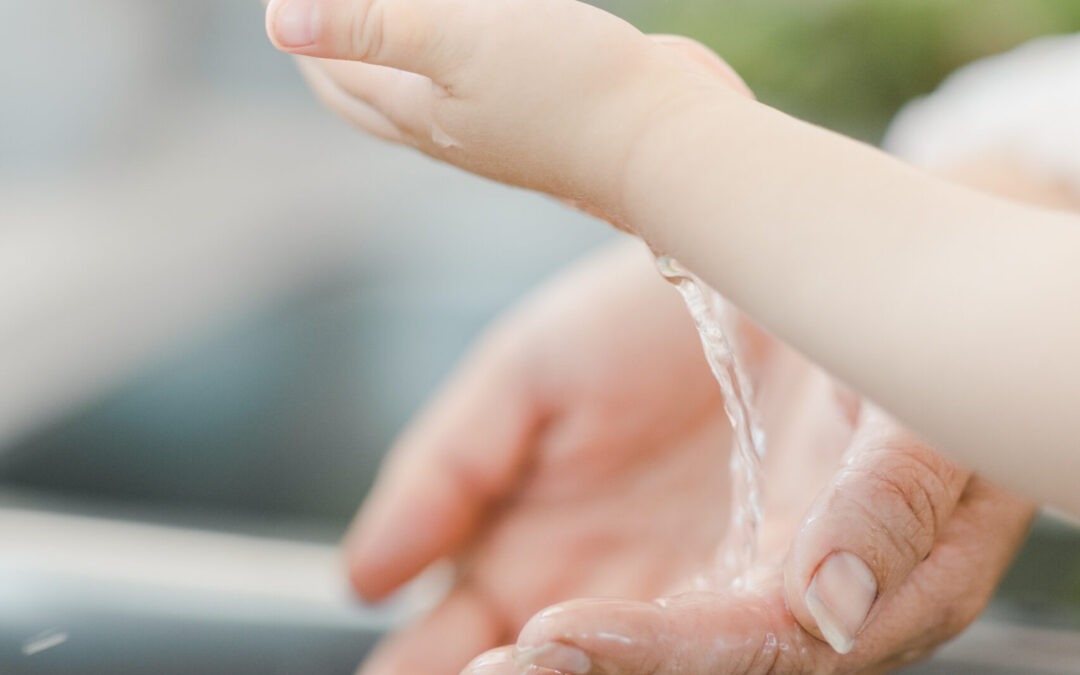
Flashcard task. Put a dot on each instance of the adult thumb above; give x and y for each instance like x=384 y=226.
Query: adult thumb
x=869 y=529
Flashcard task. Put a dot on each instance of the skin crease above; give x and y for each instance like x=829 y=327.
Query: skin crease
x=807 y=232
x=550 y=467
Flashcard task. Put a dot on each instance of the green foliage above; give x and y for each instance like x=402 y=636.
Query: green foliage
x=850 y=64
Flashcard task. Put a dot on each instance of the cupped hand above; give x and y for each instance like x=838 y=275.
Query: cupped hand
x=550 y=95
x=580 y=450
x=899 y=554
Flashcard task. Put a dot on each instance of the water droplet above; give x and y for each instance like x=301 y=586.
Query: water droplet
x=441 y=138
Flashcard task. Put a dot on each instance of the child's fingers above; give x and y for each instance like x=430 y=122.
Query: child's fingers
x=406 y=99
x=395 y=101
x=344 y=103
x=700 y=54
x=404 y=34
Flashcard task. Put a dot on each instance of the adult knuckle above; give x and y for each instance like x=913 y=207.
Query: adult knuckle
x=904 y=506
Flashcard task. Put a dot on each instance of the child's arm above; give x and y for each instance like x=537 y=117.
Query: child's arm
x=958 y=312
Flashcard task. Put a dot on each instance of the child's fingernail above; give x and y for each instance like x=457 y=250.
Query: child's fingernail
x=295 y=24
x=555 y=656
x=840 y=597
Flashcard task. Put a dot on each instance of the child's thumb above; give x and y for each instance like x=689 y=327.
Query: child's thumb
x=402 y=34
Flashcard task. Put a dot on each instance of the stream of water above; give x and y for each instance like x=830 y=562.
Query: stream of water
x=716 y=329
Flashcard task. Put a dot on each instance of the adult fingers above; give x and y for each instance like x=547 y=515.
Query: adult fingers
x=865 y=534
x=692 y=634
x=456 y=631
x=948 y=590
x=461 y=455
x=499 y=661
x=716 y=634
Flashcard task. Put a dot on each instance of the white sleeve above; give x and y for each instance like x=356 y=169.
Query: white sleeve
x=1023 y=105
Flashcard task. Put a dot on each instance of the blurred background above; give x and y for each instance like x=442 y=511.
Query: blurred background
x=218 y=303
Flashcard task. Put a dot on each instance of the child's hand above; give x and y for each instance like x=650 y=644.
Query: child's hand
x=545 y=94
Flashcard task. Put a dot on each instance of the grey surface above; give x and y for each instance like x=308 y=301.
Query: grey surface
x=265 y=419
x=285 y=407
x=998 y=647
x=114 y=631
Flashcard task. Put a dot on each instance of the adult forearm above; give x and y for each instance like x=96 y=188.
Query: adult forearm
x=956 y=311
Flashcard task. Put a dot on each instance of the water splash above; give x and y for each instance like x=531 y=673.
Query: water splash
x=710 y=314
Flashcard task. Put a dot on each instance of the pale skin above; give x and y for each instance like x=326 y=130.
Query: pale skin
x=577 y=384
x=654 y=100
x=953 y=310
x=579 y=388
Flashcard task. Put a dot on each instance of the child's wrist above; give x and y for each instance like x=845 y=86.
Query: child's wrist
x=684 y=133
x=615 y=126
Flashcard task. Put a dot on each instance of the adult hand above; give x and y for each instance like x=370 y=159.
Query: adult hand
x=899 y=554
x=582 y=451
